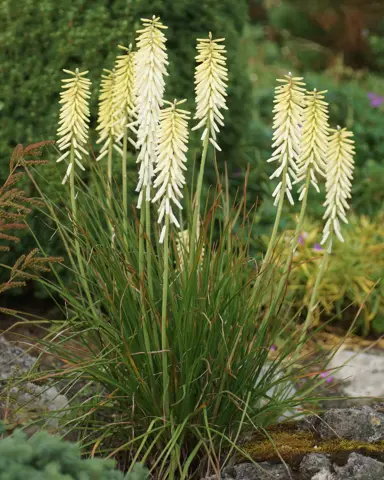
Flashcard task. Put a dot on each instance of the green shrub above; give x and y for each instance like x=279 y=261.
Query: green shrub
x=46 y=457
x=354 y=274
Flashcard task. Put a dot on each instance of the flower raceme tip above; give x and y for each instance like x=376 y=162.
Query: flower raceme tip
x=313 y=142
x=74 y=119
x=211 y=79
x=150 y=65
x=287 y=124
x=172 y=141
x=338 y=184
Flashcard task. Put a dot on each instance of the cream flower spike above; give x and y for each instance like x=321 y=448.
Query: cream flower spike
x=314 y=140
x=150 y=64
x=171 y=158
x=211 y=78
x=287 y=124
x=338 y=185
x=74 y=118
x=107 y=122
x=124 y=93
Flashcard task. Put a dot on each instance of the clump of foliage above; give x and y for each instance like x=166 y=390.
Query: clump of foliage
x=353 y=275
x=170 y=312
x=47 y=457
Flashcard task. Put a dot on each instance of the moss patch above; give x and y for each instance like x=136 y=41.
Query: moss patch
x=292 y=445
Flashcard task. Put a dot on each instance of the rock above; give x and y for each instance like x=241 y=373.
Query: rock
x=264 y=471
x=360 y=468
x=324 y=474
x=362 y=373
x=27 y=399
x=14 y=361
x=355 y=423
x=314 y=463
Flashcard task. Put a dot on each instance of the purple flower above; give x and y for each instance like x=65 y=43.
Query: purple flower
x=273 y=348
x=317 y=247
x=301 y=239
x=375 y=100
x=329 y=378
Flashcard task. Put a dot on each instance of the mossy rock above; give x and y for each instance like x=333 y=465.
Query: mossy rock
x=287 y=442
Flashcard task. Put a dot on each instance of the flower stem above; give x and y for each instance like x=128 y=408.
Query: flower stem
x=75 y=233
x=164 y=323
x=295 y=241
x=313 y=299
x=272 y=240
x=196 y=212
x=109 y=191
x=142 y=290
x=149 y=246
x=124 y=176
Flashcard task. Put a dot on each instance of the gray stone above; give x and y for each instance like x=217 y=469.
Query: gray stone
x=312 y=464
x=44 y=401
x=324 y=474
x=356 y=423
x=360 y=468
x=27 y=399
x=362 y=373
x=262 y=471
x=14 y=361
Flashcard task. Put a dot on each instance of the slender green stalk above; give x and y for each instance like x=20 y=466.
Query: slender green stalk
x=109 y=185
x=196 y=212
x=141 y=245
x=149 y=246
x=142 y=295
x=164 y=345
x=272 y=240
x=124 y=176
x=295 y=241
x=313 y=300
x=75 y=232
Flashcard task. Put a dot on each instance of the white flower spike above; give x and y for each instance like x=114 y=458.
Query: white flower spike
x=150 y=63
x=74 y=118
x=287 y=124
x=107 y=122
x=124 y=93
x=211 y=79
x=338 y=185
x=314 y=140
x=171 y=158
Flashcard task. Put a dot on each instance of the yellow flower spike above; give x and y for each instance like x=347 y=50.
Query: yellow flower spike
x=211 y=78
x=287 y=124
x=314 y=141
x=74 y=118
x=124 y=93
x=338 y=184
x=107 y=121
x=170 y=164
x=150 y=63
